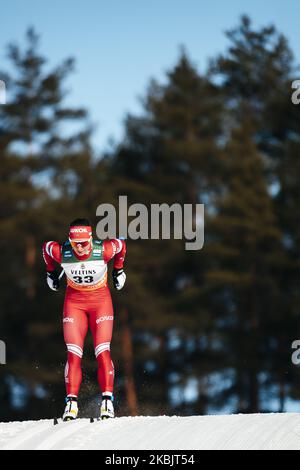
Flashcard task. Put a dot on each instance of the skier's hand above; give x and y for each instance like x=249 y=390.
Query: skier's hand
x=119 y=278
x=53 y=280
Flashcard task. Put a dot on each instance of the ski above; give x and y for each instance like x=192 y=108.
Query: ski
x=60 y=421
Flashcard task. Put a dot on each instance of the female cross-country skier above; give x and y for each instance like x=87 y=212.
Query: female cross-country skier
x=87 y=304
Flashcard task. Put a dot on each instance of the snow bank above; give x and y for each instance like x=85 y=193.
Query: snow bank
x=255 y=431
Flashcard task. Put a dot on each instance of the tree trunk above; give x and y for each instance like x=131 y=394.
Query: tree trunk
x=128 y=364
x=30 y=258
x=253 y=392
x=282 y=392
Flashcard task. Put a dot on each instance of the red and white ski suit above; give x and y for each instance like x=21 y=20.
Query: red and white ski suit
x=86 y=307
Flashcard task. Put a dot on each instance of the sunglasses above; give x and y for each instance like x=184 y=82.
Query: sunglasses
x=84 y=243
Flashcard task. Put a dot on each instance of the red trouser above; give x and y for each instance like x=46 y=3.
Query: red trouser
x=82 y=310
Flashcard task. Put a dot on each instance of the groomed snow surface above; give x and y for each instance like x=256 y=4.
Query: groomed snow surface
x=253 y=431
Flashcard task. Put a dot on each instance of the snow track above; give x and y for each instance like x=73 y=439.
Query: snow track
x=256 y=431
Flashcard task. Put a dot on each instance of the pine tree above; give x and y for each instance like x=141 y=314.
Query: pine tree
x=169 y=155
x=33 y=149
x=246 y=257
x=256 y=74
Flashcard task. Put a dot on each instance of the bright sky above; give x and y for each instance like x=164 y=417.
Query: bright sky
x=119 y=45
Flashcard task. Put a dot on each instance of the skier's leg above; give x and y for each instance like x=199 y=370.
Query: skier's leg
x=101 y=324
x=75 y=326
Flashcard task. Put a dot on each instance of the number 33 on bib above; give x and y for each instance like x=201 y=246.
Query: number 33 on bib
x=88 y=275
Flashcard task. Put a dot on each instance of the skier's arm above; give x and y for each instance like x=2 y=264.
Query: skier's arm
x=52 y=254
x=116 y=249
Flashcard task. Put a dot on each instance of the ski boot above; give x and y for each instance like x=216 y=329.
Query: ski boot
x=107 y=407
x=71 y=409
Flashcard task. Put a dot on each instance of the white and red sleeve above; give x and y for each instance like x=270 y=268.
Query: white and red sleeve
x=116 y=249
x=51 y=254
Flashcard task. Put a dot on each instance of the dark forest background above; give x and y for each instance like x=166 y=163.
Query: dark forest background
x=196 y=332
